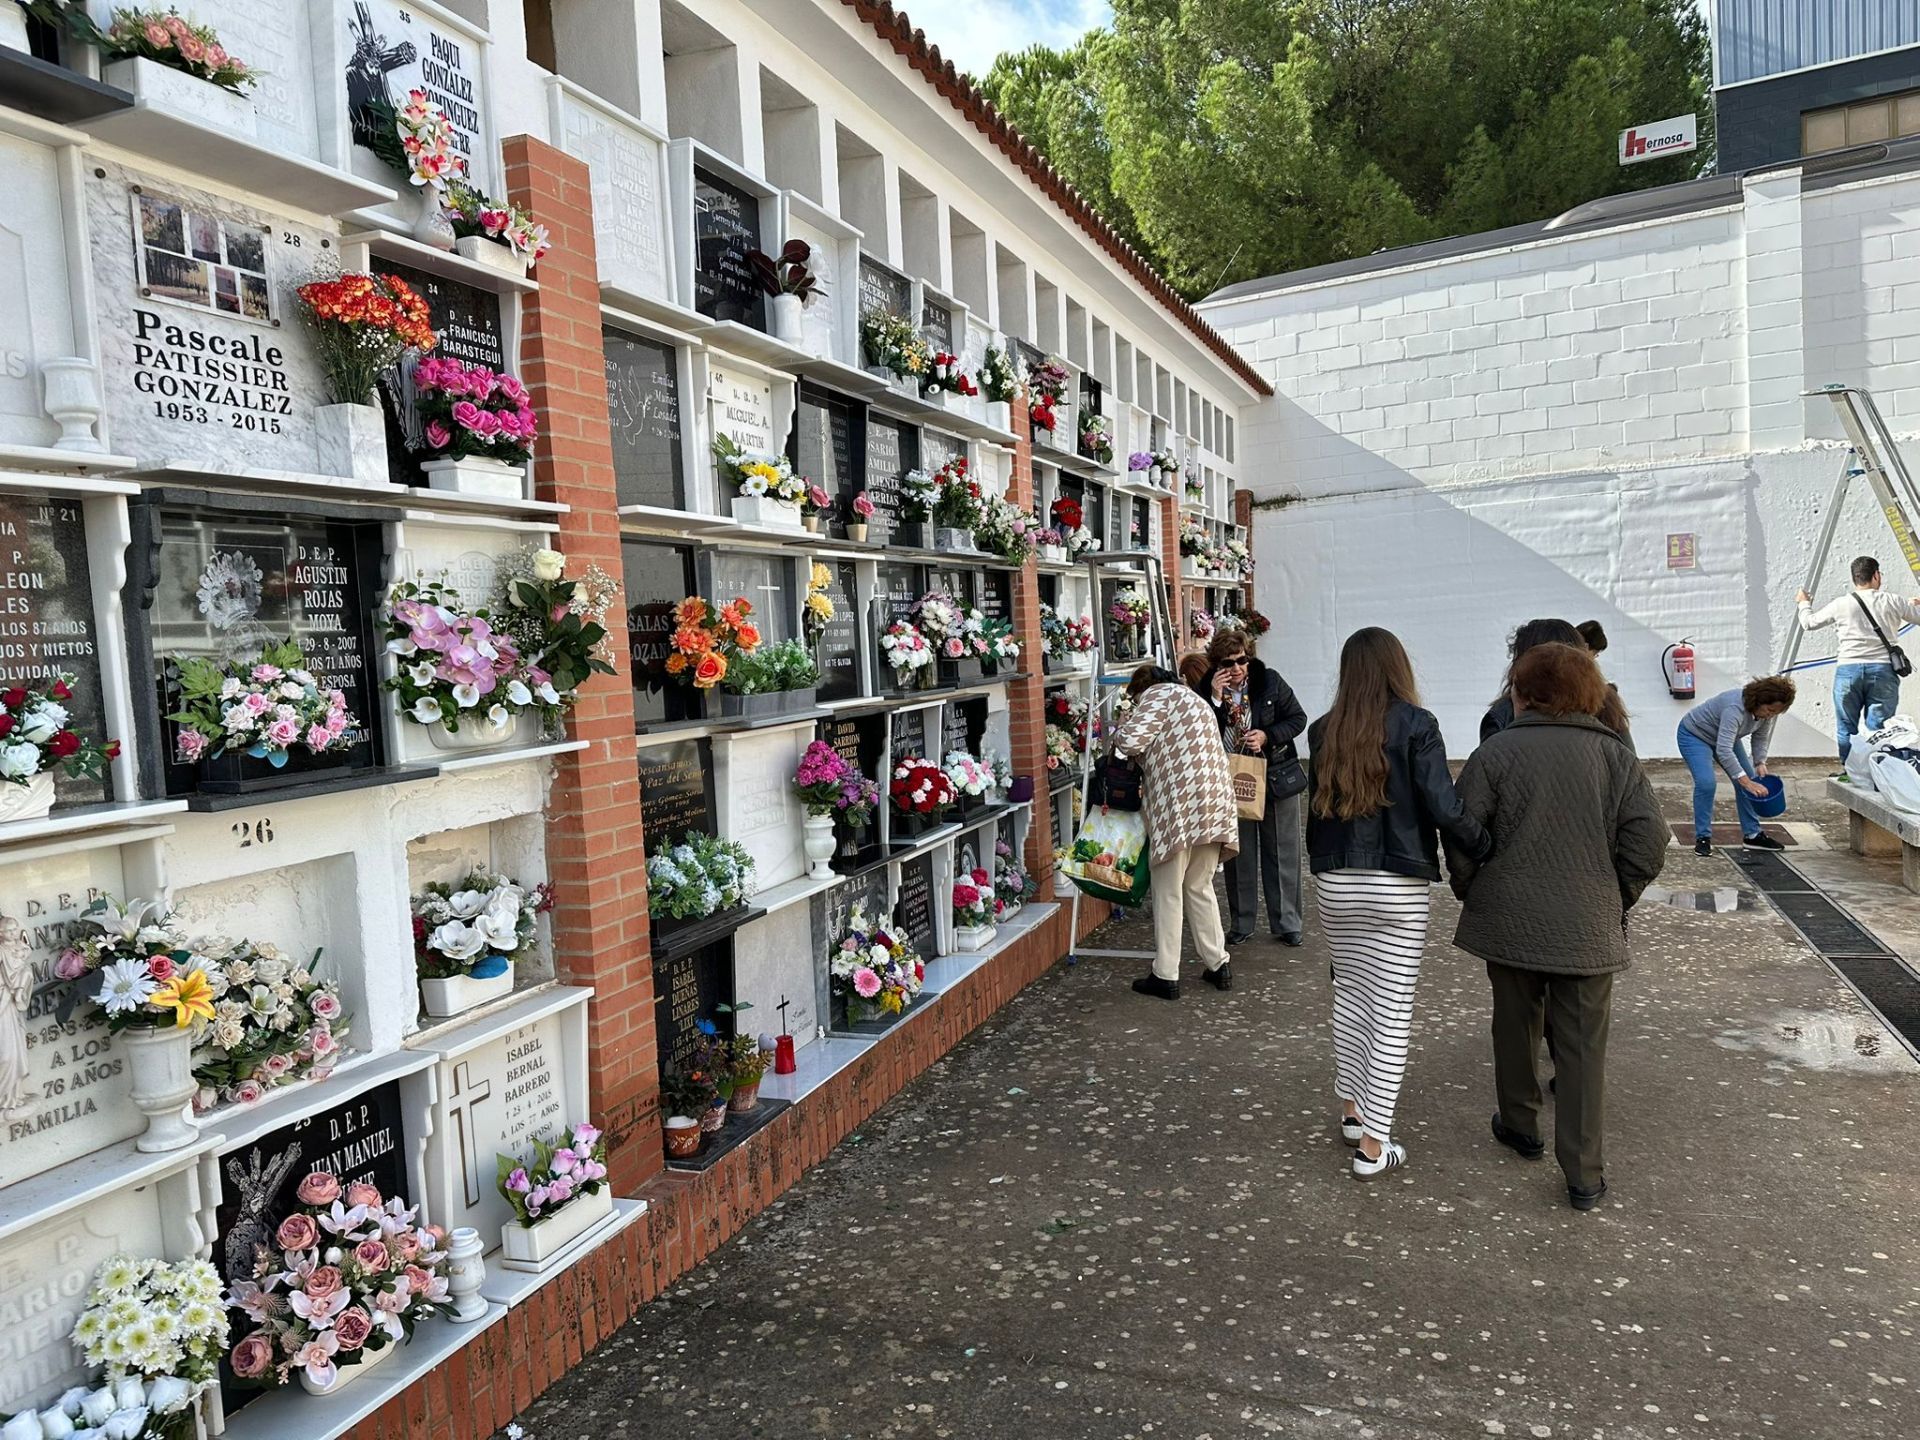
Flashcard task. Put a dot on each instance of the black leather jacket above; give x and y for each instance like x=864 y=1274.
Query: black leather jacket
x=1402 y=836
x=1272 y=708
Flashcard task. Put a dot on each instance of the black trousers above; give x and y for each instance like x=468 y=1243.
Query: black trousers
x=1579 y=1009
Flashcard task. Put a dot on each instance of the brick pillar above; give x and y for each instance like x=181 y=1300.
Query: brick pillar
x=1243 y=515
x=1026 y=725
x=594 y=852
x=1170 y=570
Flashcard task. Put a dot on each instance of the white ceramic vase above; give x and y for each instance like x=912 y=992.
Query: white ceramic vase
x=766 y=512
x=466 y=1273
x=31 y=801
x=537 y=1244
x=818 y=840
x=160 y=1065
x=430 y=223
x=477 y=475
x=457 y=994
x=345 y=1375
x=967 y=938
x=351 y=442
x=786 y=310
x=72 y=385
x=476 y=734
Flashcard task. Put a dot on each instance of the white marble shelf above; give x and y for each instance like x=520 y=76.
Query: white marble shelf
x=289 y=1411
x=78 y=472
x=657 y=519
x=506 y=757
x=214 y=154
x=922 y=844
x=459 y=1034
x=334 y=487
x=511 y=1288
x=792 y=892
x=80 y=1181
x=405 y=250
x=242 y=1124
x=81 y=819
x=814 y=1064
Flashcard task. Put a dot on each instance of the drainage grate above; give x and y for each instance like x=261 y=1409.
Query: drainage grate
x=1875 y=973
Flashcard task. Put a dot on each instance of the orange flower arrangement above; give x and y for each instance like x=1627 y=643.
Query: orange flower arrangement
x=362 y=325
x=707 y=637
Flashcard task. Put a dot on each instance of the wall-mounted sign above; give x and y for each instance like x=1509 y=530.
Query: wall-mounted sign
x=1640 y=143
x=1681 y=554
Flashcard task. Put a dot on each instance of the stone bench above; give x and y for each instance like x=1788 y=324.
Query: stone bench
x=1876 y=828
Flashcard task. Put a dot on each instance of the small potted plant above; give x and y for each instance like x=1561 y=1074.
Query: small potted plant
x=746 y=1064
x=493 y=232
x=260 y=724
x=815 y=505
x=711 y=1057
x=559 y=1196
x=893 y=348
x=921 y=793
x=477 y=425
x=908 y=654
x=179 y=68
x=35 y=738
x=361 y=325
x=775 y=680
x=873 y=972
x=766 y=491
x=1000 y=384
x=862 y=510
x=973 y=912
x=685 y=1096
x=467 y=936
x=790 y=283
x=154 y=988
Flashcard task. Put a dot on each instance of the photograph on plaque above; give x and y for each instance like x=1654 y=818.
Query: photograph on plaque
x=657 y=576
x=205 y=260
x=643 y=405
x=726 y=226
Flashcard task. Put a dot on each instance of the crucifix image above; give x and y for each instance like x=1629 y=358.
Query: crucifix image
x=462 y=1100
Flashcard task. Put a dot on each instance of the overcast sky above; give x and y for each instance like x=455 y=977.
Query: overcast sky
x=972 y=32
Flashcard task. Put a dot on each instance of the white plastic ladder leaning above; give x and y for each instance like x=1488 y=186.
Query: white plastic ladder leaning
x=1873 y=456
x=1143 y=571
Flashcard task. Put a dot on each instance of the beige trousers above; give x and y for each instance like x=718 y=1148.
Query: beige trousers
x=1183 y=889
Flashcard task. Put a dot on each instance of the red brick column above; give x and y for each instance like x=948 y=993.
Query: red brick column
x=594 y=852
x=1026 y=723
x=1170 y=570
x=1243 y=515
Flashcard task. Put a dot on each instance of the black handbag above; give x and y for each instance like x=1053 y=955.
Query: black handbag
x=1286 y=779
x=1119 y=784
x=1896 y=657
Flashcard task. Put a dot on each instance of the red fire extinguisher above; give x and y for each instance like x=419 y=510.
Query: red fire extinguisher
x=1676 y=664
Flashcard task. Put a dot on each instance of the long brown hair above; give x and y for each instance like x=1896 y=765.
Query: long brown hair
x=1350 y=761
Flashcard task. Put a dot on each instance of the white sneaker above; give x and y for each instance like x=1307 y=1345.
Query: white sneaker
x=1392 y=1156
x=1351 y=1130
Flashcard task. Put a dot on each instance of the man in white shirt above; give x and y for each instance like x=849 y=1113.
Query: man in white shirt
x=1865 y=685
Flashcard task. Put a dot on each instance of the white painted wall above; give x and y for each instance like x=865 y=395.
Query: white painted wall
x=1463 y=444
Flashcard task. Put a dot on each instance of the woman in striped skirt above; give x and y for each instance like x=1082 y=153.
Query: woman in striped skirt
x=1380 y=793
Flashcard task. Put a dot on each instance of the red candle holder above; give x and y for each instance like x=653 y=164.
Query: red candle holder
x=783 y=1063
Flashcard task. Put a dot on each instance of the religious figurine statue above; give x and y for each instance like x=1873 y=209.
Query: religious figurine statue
x=16 y=994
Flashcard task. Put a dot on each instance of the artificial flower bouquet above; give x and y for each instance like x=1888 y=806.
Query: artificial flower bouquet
x=1005 y=529
x=1130 y=609
x=921 y=791
x=1193 y=537
x=758 y=475
x=157 y=1329
x=163 y=37
x=429 y=144
x=1193 y=488
x=270 y=708
x=1237 y=557
x=1073 y=715
x=827 y=783
x=478 y=216
x=957 y=496
x=1067 y=514
x=999 y=381
x=1164 y=465
x=1200 y=625
x=699 y=877
x=275 y=1022
x=956 y=632
x=1061 y=751
x=451 y=666
x=362 y=325
x=817 y=612
x=874 y=969
x=946 y=373
x=562 y=1171
x=1046 y=388
x=1003 y=651
x=970 y=779
x=708 y=638
x=350 y=1273
x=907 y=651
x=891 y=343
x=1096 y=437
x=1012 y=885
x=473 y=412
x=35 y=735
x=973 y=908
x=476 y=926
x=556 y=623
x=1081 y=541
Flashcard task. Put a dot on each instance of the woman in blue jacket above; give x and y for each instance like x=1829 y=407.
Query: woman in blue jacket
x=1719 y=732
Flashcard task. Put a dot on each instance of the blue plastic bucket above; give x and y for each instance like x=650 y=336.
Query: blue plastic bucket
x=1774 y=802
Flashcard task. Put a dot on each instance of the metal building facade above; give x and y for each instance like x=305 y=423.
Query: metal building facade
x=1754 y=39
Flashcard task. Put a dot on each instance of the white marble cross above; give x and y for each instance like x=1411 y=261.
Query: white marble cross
x=460 y=1104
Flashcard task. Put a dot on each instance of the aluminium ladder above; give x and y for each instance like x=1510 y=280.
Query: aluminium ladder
x=1120 y=566
x=1872 y=455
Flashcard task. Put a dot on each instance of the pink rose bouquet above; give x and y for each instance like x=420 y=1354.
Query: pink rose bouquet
x=561 y=1171
x=163 y=37
x=275 y=1022
x=471 y=411
x=267 y=707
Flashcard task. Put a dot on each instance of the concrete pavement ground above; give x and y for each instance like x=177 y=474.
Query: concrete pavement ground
x=1107 y=1216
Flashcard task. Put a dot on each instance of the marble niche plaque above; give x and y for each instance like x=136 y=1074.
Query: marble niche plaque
x=764 y=581
x=914 y=905
x=687 y=989
x=773 y=961
x=73 y=1100
x=936 y=323
x=909 y=738
x=389 y=49
x=838 y=650
x=861 y=741
x=46 y=615
x=276 y=43
x=884 y=289
x=892 y=450
x=643 y=405
x=740 y=406
x=657 y=577
x=497 y=1099
x=829 y=439
x=757 y=804
x=203 y=359
x=676 y=792
x=819 y=316
x=629 y=220
x=36 y=308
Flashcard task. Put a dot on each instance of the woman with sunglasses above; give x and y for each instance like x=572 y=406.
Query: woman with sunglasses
x=1260 y=715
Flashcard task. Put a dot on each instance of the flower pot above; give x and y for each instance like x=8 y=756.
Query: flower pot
x=1021 y=791
x=784 y=311
x=761 y=707
x=160 y=1064
x=456 y=994
x=911 y=533
x=477 y=475
x=908 y=826
x=857 y=531
x=765 y=511
x=345 y=1375
x=494 y=254
x=1054 y=553
x=949 y=537
x=814 y=524
x=31 y=801
x=959 y=672
x=967 y=938
x=72 y=385
x=351 y=441
x=816 y=838
x=239 y=772
x=1000 y=414
x=715 y=1119
x=174 y=92
x=744 y=1100
x=683 y=1137
x=476 y=733
x=539 y=1242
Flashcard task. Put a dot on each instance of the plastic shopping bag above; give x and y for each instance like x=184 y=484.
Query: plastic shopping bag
x=1896 y=773
x=1898 y=733
x=1108 y=860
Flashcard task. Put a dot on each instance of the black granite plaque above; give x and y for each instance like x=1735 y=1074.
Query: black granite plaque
x=1089 y=395
x=765 y=581
x=963 y=725
x=726 y=225
x=687 y=989
x=861 y=741
x=892 y=450
x=1094 y=499
x=900 y=584
x=995 y=593
x=676 y=792
x=1140 y=524
x=1060 y=810
x=883 y=289
x=228 y=584
x=829 y=443
x=913 y=906
x=831 y=910
x=910 y=736
x=936 y=323
x=466 y=326
x=657 y=577
x=643 y=406
x=838 y=650
x=46 y=616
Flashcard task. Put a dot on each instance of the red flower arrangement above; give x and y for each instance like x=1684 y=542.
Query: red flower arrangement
x=1066 y=513
x=920 y=787
x=1040 y=412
